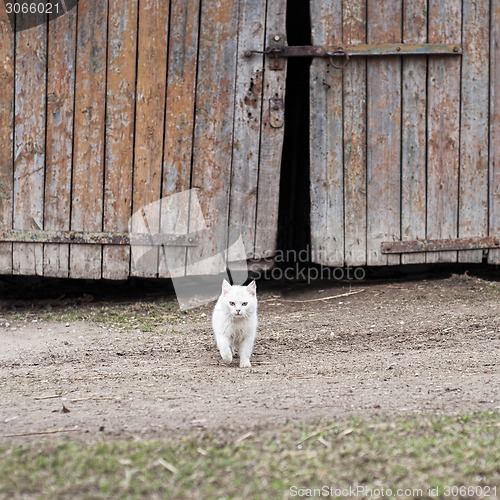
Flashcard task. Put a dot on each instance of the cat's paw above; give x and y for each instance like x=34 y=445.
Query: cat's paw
x=227 y=356
x=245 y=364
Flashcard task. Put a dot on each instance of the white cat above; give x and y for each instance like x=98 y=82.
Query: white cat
x=234 y=322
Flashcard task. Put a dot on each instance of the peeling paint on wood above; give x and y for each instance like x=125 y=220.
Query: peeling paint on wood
x=213 y=132
x=120 y=114
x=413 y=154
x=443 y=128
x=326 y=141
x=29 y=144
x=266 y=223
x=180 y=117
x=494 y=149
x=6 y=131
x=149 y=120
x=354 y=32
x=88 y=159
x=473 y=188
x=384 y=133
x=60 y=114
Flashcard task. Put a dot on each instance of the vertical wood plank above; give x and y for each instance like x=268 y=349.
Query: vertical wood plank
x=29 y=160
x=88 y=162
x=326 y=140
x=179 y=122
x=473 y=189
x=494 y=163
x=6 y=130
x=384 y=134
x=60 y=113
x=443 y=118
x=120 y=109
x=266 y=225
x=414 y=101
x=214 y=127
x=354 y=14
x=149 y=126
x=247 y=121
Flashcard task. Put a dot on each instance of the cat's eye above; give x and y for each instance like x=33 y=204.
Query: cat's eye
x=232 y=303
x=244 y=303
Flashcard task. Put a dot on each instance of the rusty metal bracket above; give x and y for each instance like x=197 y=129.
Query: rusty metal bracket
x=276 y=51
x=276 y=112
x=412 y=246
x=98 y=238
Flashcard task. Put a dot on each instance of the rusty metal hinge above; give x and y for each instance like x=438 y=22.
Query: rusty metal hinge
x=412 y=246
x=98 y=238
x=344 y=53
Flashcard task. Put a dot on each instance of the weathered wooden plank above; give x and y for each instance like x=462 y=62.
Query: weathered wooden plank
x=88 y=161
x=384 y=134
x=29 y=159
x=473 y=188
x=443 y=118
x=60 y=112
x=149 y=127
x=494 y=162
x=214 y=129
x=6 y=130
x=414 y=101
x=326 y=141
x=266 y=225
x=120 y=109
x=247 y=124
x=354 y=14
x=179 y=123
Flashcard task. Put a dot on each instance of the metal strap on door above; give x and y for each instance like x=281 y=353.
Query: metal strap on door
x=344 y=53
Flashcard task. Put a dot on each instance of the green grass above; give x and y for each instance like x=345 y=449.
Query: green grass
x=147 y=317
x=402 y=453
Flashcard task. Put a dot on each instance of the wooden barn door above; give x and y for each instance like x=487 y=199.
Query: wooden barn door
x=108 y=111
x=405 y=148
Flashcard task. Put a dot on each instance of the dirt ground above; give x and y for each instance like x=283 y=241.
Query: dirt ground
x=393 y=347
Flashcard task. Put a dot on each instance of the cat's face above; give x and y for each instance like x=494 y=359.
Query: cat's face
x=240 y=301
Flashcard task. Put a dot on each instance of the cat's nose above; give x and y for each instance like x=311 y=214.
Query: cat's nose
x=238 y=311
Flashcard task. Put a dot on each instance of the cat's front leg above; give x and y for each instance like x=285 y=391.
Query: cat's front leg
x=224 y=346
x=245 y=351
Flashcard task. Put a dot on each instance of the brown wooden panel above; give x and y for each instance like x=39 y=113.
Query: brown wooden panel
x=494 y=160
x=29 y=159
x=443 y=119
x=266 y=225
x=354 y=28
x=6 y=122
x=214 y=128
x=149 y=125
x=88 y=162
x=247 y=124
x=473 y=189
x=384 y=133
x=326 y=140
x=120 y=112
x=60 y=112
x=179 y=122
x=413 y=154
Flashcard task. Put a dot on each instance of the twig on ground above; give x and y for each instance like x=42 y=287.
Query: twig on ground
x=48 y=431
x=326 y=298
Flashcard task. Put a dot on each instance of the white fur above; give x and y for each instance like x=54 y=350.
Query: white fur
x=234 y=322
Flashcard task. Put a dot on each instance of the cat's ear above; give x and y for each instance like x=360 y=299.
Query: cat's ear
x=225 y=287
x=252 y=288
